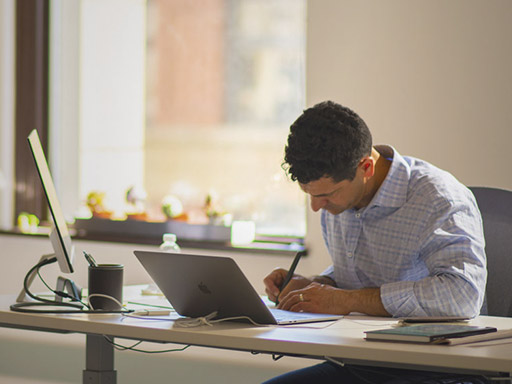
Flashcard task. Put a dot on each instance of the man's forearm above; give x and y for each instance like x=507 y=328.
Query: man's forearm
x=366 y=300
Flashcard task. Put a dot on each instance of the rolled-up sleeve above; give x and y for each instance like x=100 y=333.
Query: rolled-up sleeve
x=452 y=249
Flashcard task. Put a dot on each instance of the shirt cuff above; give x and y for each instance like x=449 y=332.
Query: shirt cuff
x=329 y=272
x=399 y=299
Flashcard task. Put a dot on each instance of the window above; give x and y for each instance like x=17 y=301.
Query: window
x=181 y=98
x=224 y=81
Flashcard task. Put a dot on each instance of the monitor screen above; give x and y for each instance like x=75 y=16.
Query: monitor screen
x=59 y=235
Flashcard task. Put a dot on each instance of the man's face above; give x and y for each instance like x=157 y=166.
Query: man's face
x=335 y=197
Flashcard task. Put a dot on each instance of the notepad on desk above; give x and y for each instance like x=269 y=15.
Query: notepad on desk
x=427 y=333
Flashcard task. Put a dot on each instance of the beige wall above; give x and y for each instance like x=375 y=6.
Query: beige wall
x=20 y=253
x=432 y=78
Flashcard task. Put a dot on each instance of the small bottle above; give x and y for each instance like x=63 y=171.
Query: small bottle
x=169 y=244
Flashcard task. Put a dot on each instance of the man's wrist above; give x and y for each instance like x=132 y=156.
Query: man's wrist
x=322 y=279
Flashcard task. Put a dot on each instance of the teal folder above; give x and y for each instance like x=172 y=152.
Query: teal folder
x=427 y=333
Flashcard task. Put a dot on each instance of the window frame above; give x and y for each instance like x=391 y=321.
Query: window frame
x=31 y=101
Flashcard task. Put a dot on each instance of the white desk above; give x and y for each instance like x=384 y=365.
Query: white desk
x=342 y=340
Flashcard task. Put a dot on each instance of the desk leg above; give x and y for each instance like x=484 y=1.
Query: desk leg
x=99 y=361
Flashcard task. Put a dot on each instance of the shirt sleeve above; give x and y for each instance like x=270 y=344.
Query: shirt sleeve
x=452 y=248
x=329 y=271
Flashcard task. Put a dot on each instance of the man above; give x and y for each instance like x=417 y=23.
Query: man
x=405 y=237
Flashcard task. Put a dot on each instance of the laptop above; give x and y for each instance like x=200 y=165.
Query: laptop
x=197 y=285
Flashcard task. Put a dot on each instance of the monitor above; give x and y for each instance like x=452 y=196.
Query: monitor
x=59 y=235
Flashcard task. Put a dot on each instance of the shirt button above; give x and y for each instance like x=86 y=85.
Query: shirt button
x=350 y=254
x=358 y=215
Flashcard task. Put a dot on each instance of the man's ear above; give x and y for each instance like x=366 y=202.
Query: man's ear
x=368 y=166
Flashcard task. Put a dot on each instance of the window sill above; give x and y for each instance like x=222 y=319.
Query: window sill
x=262 y=245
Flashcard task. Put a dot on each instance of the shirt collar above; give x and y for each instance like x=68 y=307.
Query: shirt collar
x=393 y=190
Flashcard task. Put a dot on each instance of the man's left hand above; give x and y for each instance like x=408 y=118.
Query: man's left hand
x=323 y=298
x=316 y=298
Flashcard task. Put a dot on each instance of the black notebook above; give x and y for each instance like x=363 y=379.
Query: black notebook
x=427 y=333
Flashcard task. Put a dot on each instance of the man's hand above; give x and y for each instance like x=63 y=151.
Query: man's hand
x=276 y=278
x=322 y=298
x=316 y=298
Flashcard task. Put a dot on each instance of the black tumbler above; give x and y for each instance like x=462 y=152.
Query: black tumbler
x=107 y=280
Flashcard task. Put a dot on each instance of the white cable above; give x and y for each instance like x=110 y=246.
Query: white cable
x=302 y=325
x=189 y=322
x=337 y=362
x=152 y=312
x=240 y=318
x=104 y=296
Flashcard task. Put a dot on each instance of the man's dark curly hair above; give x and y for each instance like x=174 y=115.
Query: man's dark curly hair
x=327 y=140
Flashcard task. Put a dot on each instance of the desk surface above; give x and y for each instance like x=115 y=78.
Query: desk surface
x=342 y=340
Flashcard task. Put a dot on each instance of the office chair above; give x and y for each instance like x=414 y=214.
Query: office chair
x=496 y=208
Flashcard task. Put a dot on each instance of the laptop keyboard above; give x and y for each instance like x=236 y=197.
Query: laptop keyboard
x=281 y=315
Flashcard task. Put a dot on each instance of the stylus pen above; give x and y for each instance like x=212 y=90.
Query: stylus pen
x=90 y=259
x=291 y=271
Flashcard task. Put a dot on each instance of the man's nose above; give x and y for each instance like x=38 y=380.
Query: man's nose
x=317 y=203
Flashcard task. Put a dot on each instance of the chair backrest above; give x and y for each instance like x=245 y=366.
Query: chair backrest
x=496 y=208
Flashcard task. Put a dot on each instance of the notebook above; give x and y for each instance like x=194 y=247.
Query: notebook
x=198 y=285
x=427 y=333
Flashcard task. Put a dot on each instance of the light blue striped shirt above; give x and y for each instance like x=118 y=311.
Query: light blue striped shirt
x=420 y=240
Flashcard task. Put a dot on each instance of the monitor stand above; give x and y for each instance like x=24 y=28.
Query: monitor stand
x=63 y=285
x=67 y=285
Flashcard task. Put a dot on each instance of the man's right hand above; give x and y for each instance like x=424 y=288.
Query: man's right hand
x=275 y=279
